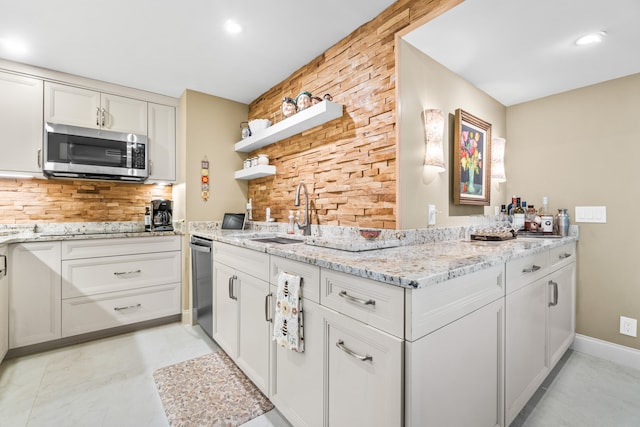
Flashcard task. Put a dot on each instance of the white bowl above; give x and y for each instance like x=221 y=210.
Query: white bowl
x=258 y=124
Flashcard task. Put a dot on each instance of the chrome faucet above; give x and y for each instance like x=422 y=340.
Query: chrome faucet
x=306 y=227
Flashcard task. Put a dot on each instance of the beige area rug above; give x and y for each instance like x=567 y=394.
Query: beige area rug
x=208 y=391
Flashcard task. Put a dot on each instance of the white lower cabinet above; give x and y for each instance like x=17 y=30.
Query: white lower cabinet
x=34 y=293
x=4 y=303
x=297 y=379
x=540 y=321
x=455 y=352
x=240 y=301
x=363 y=373
x=113 y=282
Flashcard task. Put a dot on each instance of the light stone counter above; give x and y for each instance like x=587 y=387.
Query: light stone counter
x=422 y=258
x=11 y=233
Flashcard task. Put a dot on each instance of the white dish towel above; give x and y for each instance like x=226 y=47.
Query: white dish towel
x=287 y=325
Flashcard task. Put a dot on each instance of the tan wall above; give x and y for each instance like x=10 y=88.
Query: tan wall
x=423 y=83
x=40 y=200
x=211 y=127
x=349 y=164
x=577 y=148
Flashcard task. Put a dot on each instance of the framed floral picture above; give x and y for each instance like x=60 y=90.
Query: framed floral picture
x=472 y=160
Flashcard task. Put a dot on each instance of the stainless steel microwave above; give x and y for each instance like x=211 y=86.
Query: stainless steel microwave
x=75 y=152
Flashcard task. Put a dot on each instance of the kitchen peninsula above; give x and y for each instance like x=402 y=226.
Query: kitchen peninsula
x=403 y=335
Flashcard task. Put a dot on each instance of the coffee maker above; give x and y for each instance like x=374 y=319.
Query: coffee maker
x=161 y=215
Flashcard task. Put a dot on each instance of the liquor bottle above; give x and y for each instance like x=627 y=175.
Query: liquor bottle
x=518 y=216
x=512 y=205
x=530 y=218
x=503 y=213
x=546 y=217
x=147 y=219
x=526 y=225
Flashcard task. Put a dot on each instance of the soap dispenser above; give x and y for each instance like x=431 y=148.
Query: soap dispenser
x=290 y=226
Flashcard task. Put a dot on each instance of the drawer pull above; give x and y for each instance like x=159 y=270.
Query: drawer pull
x=341 y=346
x=127 y=307
x=126 y=273
x=231 y=282
x=564 y=256
x=531 y=269
x=344 y=294
x=555 y=293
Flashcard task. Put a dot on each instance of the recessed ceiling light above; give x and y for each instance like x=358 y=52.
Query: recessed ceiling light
x=591 y=38
x=232 y=27
x=14 y=46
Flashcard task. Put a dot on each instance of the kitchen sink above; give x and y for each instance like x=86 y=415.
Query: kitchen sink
x=279 y=240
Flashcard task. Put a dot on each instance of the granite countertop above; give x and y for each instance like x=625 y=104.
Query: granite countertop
x=78 y=231
x=421 y=258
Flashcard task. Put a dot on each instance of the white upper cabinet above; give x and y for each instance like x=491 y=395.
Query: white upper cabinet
x=20 y=124
x=162 y=143
x=75 y=106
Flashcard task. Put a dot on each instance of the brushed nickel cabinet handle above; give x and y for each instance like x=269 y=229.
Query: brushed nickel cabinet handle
x=344 y=294
x=39 y=158
x=531 y=269
x=267 y=305
x=104 y=113
x=98 y=116
x=341 y=346
x=127 y=307
x=126 y=273
x=555 y=293
x=231 y=282
x=564 y=256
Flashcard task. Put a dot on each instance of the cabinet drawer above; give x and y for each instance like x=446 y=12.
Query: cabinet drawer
x=310 y=275
x=76 y=249
x=248 y=261
x=88 y=314
x=523 y=271
x=562 y=255
x=374 y=303
x=91 y=276
x=435 y=306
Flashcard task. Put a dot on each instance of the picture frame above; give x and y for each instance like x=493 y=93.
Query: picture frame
x=472 y=160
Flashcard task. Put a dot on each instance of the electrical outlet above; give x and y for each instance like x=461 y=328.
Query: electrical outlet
x=628 y=326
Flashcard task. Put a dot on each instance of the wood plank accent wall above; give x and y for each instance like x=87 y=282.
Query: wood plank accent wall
x=348 y=164
x=25 y=201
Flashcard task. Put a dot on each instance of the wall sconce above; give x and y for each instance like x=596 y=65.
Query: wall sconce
x=497 y=160
x=434 y=134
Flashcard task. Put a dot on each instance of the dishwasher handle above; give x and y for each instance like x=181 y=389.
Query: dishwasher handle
x=198 y=248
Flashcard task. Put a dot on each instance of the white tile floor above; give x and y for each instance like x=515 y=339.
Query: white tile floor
x=107 y=382
x=585 y=391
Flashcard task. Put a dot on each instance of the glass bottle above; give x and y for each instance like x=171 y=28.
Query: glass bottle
x=518 y=216
x=530 y=218
x=546 y=224
x=147 y=219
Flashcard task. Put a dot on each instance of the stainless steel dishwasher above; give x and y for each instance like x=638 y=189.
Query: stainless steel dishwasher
x=202 y=282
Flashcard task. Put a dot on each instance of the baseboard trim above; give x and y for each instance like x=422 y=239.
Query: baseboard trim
x=616 y=353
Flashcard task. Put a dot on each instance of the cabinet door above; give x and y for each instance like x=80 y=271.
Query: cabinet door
x=225 y=303
x=71 y=105
x=562 y=310
x=363 y=374
x=253 y=350
x=293 y=372
x=162 y=143
x=21 y=123
x=35 y=293
x=124 y=114
x=526 y=351
x=4 y=304
x=454 y=375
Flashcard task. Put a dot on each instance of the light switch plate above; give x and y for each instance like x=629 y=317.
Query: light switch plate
x=595 y=214
x=432 y=215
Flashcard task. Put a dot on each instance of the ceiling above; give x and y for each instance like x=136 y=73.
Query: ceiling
x=519 y=50
x=515 y=50
x=167 y=46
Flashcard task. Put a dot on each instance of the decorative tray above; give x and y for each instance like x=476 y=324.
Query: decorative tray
x=494 y=236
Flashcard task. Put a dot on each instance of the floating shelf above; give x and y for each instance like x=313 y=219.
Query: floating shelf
x=255 y=172
x=311 y=117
